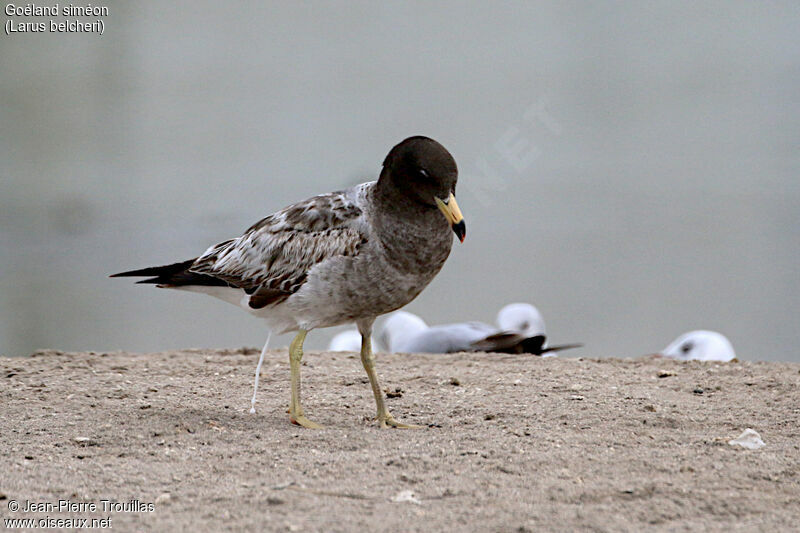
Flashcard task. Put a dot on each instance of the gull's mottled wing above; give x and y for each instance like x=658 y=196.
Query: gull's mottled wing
x=271 y=260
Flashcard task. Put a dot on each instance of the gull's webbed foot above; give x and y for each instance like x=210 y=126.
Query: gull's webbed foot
x=388 y=421
x=301 y=420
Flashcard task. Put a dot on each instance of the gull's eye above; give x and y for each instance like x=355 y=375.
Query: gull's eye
x=687 y=347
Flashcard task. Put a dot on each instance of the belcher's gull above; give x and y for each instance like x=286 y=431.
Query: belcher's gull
x=347 y=256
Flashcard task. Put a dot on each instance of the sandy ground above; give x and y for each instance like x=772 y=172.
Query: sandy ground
x=512 y=443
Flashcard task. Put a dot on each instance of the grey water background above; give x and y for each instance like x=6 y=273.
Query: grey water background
x=630 y=168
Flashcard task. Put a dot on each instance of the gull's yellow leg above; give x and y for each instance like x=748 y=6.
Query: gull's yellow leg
x=385 y=419
x=295 y=409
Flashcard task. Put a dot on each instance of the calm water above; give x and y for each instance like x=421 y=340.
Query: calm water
x=630 y=169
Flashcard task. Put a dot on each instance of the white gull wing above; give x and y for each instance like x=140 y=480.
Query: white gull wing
x=447 y=338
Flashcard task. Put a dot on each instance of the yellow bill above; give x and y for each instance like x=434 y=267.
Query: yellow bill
x=453 y=215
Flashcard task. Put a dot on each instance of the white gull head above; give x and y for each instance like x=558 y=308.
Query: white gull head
x=398 y=326
x=346 y=341
x=700 y=345
x=521 y=318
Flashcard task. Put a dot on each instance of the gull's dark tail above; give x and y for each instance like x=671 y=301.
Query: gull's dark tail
x=174 y=275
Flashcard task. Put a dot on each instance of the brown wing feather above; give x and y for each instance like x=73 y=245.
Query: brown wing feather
x=271 y=260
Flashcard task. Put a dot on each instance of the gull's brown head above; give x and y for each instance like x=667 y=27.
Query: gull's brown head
x=425 y=172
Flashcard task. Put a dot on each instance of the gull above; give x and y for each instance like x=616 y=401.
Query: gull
x=405 y=332
x=345 y=341
x=521 y=331
x=338 y=258
x=398 y=327
x=522 y=318
x=700 y=345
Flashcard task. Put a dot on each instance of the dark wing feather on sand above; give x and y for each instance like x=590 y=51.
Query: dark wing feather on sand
x=503 y=342
x=508 y=342
x=271 y=260
x=560 y=347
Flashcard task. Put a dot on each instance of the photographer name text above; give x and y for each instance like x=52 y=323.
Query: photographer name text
x=69 y=506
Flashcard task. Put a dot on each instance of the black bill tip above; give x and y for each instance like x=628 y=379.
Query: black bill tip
x=460 y=229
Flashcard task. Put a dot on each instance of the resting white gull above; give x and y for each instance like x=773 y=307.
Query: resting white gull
x=522 y=318
x=700 y=345
x=405 y=332
x=337 y=258
x=521 y=331
x=345 y=341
